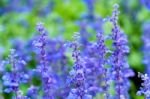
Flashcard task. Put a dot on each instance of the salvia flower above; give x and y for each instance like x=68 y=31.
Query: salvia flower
x=119 y=63
x=58 y=61
x=78 y=74
x=102 y=51
x=13 y=78
x=43 y=68
x=145 y=89
x=95 y=67
x=11 y=84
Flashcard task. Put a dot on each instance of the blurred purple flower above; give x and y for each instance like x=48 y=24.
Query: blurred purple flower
x=119 y=61
x=32 y=92
x=77 y=79
x=20 y=95
x=146 y=3
x=146 y=47
x=145 y=89
x=84 y=35
x=47 y=9
x=90 y=8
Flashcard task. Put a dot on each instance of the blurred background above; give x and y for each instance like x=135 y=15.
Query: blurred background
x=62 y=18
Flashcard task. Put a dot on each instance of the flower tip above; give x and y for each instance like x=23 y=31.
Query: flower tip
x=138 y=93
x=116 y=6
x=39 y=26
x=12 y=51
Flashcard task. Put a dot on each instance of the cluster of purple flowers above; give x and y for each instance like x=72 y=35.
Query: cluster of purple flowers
x=44 y=69
x=15 y=76
x=26 y=6
x=78 y=79
x=44 y=65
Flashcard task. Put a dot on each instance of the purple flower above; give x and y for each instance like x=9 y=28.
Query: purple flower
x=20 y=95
x=84 y=34
x=146 y=47
x=2 y=66
x=11 y=82
x=97 y=25
x=102 y=51
x=146 y=3
x=32 y=92
x=22 y=48
x=13 y=78
x=43 y=68
x=119 y=61
x=77 y=74
x=90 y=8
x=93 y=76
x=145 y=89
x=47 y=9
x=59 y=62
